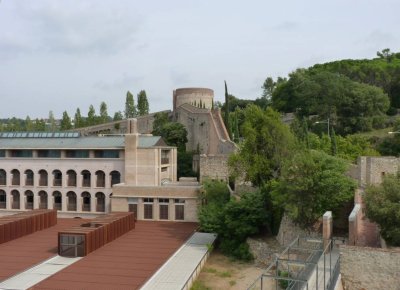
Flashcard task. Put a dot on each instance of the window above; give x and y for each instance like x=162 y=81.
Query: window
x=164 y=207
x=133 y=208
x=72 y=245
x=164 y=156
x=164 y=169
x=179 y=209
x=49 y=153
x=21 y=153
x=2 y=153
x=148 y=208
x=77 y=153
x=106 y=153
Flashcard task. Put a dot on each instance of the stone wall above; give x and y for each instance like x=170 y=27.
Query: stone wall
x=372 y=169
x=264 y=251
x=370 y=268
x=214 y=167
x=288 y=231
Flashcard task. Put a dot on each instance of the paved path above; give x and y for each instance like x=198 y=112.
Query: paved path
x=180 y=267
x=37 y=273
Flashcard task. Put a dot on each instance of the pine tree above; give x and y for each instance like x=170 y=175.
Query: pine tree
x=78 y=121
x=130 y=108
x=226 y=116
x=142 y=103
x=91 y=118
x=66 y=122
x=103 y=113
x=52 y=122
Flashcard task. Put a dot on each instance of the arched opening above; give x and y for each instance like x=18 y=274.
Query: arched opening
x=71 y=178
x=100 y=179
x=57 y=203
x=28 y=199
x=85 y=201
x=115 y=177
x=57 y=178
x=100 y=202
x=15 y=199
x=43 y=178
x=43 y=199
x=86 y=178
x=28 y=177
x=3 y=199
x=71 y=198
x=3 y=177
x=15 y=177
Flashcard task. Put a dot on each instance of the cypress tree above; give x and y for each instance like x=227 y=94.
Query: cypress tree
x=226 y=116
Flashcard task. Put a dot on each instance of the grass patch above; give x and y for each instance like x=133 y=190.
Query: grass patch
x=225 y=274
x=232 y=282
x=210 y=270
x=198 y=285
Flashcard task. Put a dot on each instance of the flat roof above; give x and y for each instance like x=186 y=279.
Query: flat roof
x=127 y=262
x=22 y=253
x=89 y=142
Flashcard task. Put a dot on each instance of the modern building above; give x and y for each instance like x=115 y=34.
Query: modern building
x=90 y=175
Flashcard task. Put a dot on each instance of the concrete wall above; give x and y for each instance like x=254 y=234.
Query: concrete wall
x=124 y=195
x=370 y=268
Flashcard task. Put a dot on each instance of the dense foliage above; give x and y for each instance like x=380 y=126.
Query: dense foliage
x=311 y=183
x=383 y=207
x=351 y=106
x=232 y=219
x=267 y=142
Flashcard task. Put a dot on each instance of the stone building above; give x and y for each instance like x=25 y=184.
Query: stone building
x=207 y=134
x=87 y=175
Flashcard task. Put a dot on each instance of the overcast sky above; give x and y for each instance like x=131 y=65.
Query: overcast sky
x=60 y=55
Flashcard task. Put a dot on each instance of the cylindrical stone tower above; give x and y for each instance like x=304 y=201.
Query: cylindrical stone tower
x=199 y=97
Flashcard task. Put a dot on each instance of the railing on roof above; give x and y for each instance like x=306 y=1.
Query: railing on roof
x=39 y=134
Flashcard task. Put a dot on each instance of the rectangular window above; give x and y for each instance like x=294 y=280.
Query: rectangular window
x=148 y=208
x=164 y=208
x=21 y=153
x=49 y=153
x=106 y=153
x=148 y=211
x=179 y=209
x=165 y=156
x=2 y=153
x=77 y=153
x=164 y=169
x=133 y=208
x=72 y=245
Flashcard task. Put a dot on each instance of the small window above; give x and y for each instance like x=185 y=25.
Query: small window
x=164 y=169
x=179 y=200
x=148 y=200
x=49 y=153
x=163 y=200
x=21 y=153
x=77 y=153
x=106 y=153
x=2 y=153
x=179 y=212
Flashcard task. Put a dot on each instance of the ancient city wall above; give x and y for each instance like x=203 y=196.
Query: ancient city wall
x=214 y=167
x=372 y=169
x=369 y=268
x=288 y=231
x=193 y=96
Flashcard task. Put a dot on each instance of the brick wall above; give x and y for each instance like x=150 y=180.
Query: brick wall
x=370 y=268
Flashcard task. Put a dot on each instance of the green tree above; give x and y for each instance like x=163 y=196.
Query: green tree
x=130 y=108
x=104 y=118
x=383 y=207
x=29 y=126
x=52 y=122
x=174 y=134
x=40 y=125
x=66 y=122
x=267 y=142
x=78 y=120
x=160 y=119
x=311 y=183
x=91 y=118
x=233 y=220
x=142 y=103
x=117 y=117
x=227 y=110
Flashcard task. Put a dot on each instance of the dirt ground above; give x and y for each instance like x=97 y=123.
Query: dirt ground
x=220 y=273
